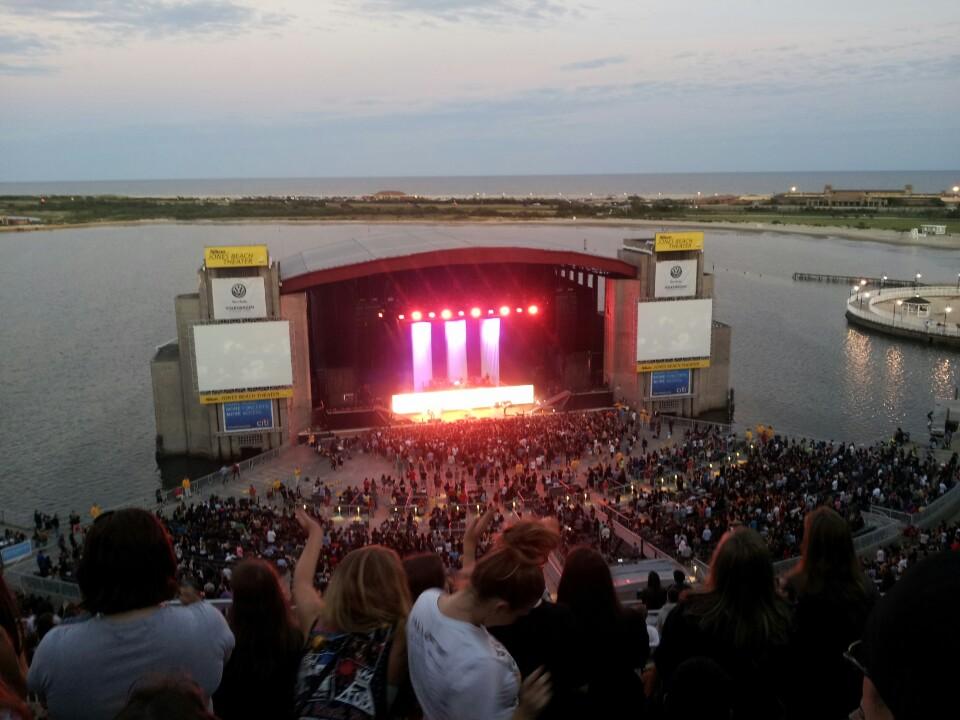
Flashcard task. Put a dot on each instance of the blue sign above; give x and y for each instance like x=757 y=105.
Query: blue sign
x=670 y=382
x=248 y=415
x=16 y=552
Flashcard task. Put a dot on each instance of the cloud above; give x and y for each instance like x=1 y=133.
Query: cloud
x=25 y=68
x=484 y=11
x=595 y=63
x=19 y=55
x=151 y=17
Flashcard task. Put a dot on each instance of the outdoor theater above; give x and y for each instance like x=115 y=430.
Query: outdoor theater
x=356 y=334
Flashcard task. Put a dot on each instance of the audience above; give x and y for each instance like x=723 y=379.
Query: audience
x=13 y=658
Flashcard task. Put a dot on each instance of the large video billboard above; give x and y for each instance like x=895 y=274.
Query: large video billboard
x=236 y=356
x=674 y=329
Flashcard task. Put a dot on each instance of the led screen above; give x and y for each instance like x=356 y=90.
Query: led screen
x=674 y=329
x=236 y=356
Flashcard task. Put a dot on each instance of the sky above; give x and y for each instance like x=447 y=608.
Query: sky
x=143 y=89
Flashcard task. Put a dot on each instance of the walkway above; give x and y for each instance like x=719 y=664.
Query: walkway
x=891 y=311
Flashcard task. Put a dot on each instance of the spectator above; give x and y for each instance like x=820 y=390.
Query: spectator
x=616 y=644
x=260 y=677
x=85 y=670
x=12 y=706
x=424 y=571
x=740 y=622
x=832 y=601
x=355 y=659
x=459 y=671
x=680 y=584
x=167 y=698
x=653 y=595
x=908 y=651
x=13 y=659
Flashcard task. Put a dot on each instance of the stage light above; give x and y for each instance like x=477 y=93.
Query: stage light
x=533 y=310
x=416 y=315
x=446 y=314
x=504 y=310
x=431 y=314
x=475 y=312
x=380 y=314
x=401 y=316
x=460 y=313
x=489 y=312
x=519 y=310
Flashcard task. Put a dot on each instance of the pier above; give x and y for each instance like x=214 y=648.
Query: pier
x=854 y=280
x=904 y=313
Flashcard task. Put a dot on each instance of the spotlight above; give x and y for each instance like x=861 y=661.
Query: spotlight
x=460 y=313
x=519 y=310
x=401 y=316
x=446 y=314
x=533 y=310
x=475 y=312
x=504 y=310
x=416 y=315
x=489 y=312
x=431 y=314
x=380 y=314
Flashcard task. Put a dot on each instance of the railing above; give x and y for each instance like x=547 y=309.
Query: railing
x=46 y=586
x=679 y=420
x=863 y=307
x=897 y=515
x=945 y=505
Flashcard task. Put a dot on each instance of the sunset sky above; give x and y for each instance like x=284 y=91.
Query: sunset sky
x=107 y=89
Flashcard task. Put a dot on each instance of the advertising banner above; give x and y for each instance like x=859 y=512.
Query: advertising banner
x=227 y=256
x=226 y=397
x=670 y=382
x=676 y=278
x=678 y=242
x=248 y=415
x=11 y=553
x=239 y=298
x=695 y=364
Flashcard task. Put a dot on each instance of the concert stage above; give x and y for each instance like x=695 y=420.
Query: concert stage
x=476 y=398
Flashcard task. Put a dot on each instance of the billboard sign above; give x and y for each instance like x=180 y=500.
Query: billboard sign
x=696 y=364
x=243 y=355
x=219 y=398
x=227 y=256
x=248 y=415
x=12 y=553
x=239 y=298
x=678 y=242
x=665 y=383
x=674 y=329
x=676 y=278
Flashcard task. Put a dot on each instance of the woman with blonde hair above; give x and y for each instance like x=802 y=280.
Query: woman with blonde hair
x=355 y=651
x=458 y=670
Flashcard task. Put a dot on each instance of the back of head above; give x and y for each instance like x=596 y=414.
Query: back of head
x=741 y=604
x=586 y=587
x=828 y=559
x=424 y=571
x=911 y=639
x=699 y=689
x=259 y=613
x=653 y=580
x=166 y=698
x=368 y=590
x=513 y=570
x=128 y=563
x=678 y=577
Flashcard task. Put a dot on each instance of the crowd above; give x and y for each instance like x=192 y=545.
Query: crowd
x=388 y=637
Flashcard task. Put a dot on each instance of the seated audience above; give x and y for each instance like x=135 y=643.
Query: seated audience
x=85 y=670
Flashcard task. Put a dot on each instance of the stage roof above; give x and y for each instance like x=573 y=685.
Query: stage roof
x=348 y=259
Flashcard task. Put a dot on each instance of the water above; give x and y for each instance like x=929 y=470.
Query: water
x=649 y=184
x=84 y=309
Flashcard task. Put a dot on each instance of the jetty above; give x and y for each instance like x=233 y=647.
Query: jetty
x=854 y=280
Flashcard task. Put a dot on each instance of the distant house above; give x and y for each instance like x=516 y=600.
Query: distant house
x=19 y=220
x=390 y=195
x=843 y=199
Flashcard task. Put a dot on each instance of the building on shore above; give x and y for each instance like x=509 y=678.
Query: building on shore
x=850 y=199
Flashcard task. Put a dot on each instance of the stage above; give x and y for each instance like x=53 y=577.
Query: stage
x=457 y=404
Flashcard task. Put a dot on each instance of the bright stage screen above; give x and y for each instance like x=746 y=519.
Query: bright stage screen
x=467 y=399
x=235 y=356
x=674 y=329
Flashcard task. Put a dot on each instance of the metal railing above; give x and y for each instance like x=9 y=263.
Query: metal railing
x=945 y=505
x=861 y=306
x=897 y=515
x=46 y=586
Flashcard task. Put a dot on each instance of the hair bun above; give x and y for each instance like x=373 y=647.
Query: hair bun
x=533 y=540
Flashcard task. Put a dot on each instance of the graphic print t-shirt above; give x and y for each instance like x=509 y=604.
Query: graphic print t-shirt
x=458 y=670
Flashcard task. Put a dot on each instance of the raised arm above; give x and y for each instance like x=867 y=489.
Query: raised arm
x=305 y=595
x=471 y=538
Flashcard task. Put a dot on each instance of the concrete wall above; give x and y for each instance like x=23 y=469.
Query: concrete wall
x=197 y=417
x=712 y=383
x=298 y=408
x=168 y=406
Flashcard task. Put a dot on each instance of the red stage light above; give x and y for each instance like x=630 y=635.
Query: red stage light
x=401 y=316
x=504 y=310
x=460 y=313
x=489 y=312
x=416 y=315
x=431 y=314
x=533 y=309
x=446 y=314
x=475 y=312
x=519 y=310
x=380 y=314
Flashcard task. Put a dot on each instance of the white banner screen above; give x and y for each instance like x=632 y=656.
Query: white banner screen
x=239 y=298
x=235 y=356
x=677 y=329
x=676 y=278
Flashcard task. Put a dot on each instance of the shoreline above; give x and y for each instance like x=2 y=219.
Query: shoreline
x=888 y=237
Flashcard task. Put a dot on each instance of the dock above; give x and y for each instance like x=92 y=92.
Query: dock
x=854 y=280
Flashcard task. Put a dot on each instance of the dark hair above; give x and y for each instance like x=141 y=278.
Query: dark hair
x=260 y=619
x=513 y=570
x=128 y=563
x=424 y=571
x=166 y=698
x=679 y=577
x=653 y=580
x=740 y=605
x=10 y=617
x=586 y=587
x=828 y=561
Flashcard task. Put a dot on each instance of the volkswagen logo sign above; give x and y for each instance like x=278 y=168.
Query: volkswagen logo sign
x=239 y=290
x=676 y=271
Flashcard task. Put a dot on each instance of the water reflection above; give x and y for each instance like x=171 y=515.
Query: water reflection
x=943 y=378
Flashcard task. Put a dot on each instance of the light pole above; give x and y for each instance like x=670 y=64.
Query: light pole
x=958 y=281
x=882 y=281
x=916 y=284
x=899 y=305
x=866 y=296
x=946 y=311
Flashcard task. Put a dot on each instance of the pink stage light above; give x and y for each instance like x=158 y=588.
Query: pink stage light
x=380 y=314
x=446 y=314
x=460 y=313
x=489 y=312
x=431 y=314
x=475 y=312
x=504 y=310
x=401 y=316
x=533 y=310
x=519 y=310
x=416 y=315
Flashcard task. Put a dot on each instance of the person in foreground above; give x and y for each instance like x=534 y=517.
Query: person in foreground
x=355 y=657
x=739 y=623
x=458 y=670
x=86 y=670
x=909 y=646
